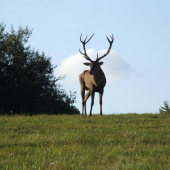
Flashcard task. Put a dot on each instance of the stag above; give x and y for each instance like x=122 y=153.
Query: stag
x=92 y=80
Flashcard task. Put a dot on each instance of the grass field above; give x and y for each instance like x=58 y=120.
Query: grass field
x=129 y=141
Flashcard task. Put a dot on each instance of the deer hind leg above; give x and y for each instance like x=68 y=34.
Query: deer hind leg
x=85 y=99
x=100 y=101
x=92 y=102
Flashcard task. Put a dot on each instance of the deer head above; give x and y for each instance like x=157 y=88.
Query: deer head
x=94 y=65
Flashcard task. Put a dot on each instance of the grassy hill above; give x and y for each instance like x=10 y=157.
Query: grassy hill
x=130 y=141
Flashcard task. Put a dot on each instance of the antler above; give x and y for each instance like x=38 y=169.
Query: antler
x=108 y=51
x=84 y=43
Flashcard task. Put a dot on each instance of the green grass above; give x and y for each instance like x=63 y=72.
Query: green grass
x=130 y=141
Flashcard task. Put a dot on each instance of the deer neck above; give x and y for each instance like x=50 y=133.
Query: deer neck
x=98 y=77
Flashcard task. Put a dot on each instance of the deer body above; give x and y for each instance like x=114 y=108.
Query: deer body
x=92 y=80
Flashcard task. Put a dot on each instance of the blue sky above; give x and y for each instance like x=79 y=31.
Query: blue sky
x=138 y=67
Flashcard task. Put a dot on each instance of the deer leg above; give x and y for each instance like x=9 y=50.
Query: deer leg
x=85 y=99
x=100 y=101
x=82 y=96
x=92 y=102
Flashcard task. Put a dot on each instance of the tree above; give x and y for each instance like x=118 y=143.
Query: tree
x=27 y=83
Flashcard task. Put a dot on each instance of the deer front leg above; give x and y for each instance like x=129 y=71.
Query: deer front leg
x=82 y=96
x=92 y=102
x=100 y=101
x=85 y=99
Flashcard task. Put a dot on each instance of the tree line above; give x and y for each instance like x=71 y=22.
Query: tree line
x=27 y=82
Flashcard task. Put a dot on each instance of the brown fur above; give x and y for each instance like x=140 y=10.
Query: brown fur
x=92 y=83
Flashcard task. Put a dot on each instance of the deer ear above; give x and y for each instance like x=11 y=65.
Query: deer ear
x=101 y=63
x=87 y=64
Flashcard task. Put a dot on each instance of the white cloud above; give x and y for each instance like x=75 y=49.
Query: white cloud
x=115 y=66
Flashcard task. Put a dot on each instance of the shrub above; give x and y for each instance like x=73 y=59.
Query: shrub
x=165 y=109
